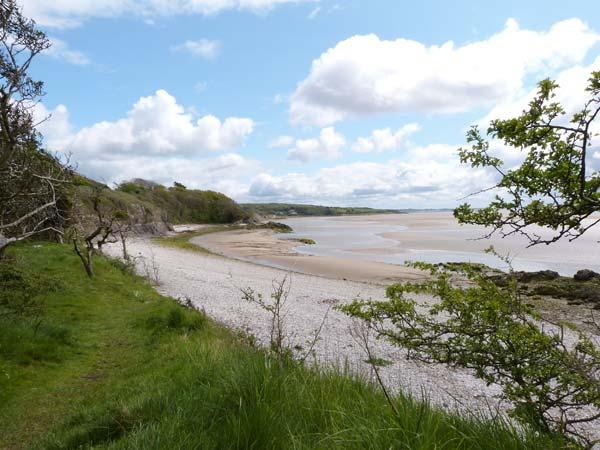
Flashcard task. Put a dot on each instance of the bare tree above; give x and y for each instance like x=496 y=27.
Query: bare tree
x=108 y=223
x=31 y=180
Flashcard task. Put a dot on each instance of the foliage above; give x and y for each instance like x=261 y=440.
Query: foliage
x=553 y=385
x=20 y=290
x=287 y=209
x=182 y=205
x=275 y=226
x=307 y=241
x=99 y=377
x=553 y=187
x=32 y=181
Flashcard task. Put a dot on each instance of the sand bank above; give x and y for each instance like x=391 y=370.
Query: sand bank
x=265 y=247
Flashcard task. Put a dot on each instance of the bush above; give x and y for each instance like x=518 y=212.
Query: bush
x=177 y=318
x=554 y=386
x=20 y=289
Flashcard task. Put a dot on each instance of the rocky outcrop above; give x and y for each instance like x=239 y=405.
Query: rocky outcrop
x=585 y=275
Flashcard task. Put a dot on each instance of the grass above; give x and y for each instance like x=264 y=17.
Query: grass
x=181 y=241
x=115 y=365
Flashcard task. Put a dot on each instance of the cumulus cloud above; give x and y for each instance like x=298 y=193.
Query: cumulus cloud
x=72 y=13
x=327 y=145
x=157 y=139
x=430 y=176
x=156 y=125
x=384 y=139
x=223 y=173
x=202 y=48
x=281 y=142
x=571 y=94
x=60 y=50
x=365 y=74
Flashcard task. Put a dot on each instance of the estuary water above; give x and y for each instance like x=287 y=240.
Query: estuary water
x=437 y=237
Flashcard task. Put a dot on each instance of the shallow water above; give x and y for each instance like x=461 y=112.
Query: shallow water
x=437 y=237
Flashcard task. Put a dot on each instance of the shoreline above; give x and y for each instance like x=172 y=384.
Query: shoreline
x=213 y=284
x=264 y=248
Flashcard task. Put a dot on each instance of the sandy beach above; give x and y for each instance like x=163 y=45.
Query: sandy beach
x=213 y=283
x=265 y=247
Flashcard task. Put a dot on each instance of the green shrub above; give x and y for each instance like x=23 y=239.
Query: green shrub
x=554 y=386
x=177 y=319
x=307 y=241
x=21 y=288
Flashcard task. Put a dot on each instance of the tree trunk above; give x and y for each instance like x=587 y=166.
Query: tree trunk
x=124 y=245
x=86 y=260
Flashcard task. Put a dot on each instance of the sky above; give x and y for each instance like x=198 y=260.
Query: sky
x=324 y=101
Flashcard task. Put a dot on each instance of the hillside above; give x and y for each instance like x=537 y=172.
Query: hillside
x=182 y=205
x=291 y=209
x=151 y=207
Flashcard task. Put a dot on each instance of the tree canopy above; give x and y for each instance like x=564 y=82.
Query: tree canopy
x=554 y=186
x=31 y=180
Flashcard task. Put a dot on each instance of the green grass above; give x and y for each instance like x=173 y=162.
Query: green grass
x=181 y=241
x=115 y=365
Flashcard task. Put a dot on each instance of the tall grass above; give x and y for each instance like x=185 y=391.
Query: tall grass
x=131 y=369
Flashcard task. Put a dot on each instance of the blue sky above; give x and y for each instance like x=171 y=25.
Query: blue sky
x=354 y=102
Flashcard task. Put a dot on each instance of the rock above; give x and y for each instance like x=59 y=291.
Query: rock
x=542 y=275
x=585 y=275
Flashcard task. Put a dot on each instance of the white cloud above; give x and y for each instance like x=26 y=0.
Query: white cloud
x=431 y=176
x=365 y=74
x=72 y=13
x=60 y=50
x=202 y=48
x=571 y=94
x=156 y=125
x=156 y=135
x=327 y=146
x=281 y=142
x=384 y=139
x=222 y=173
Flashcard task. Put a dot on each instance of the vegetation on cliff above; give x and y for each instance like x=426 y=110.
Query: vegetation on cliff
x=182 y=205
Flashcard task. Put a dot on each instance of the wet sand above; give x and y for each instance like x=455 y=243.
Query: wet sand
x=267 y=248
x=437 y=237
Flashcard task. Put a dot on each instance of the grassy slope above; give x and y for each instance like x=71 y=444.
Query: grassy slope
x=115 y=365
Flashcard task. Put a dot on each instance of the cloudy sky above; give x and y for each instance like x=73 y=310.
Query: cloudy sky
x=349 y=102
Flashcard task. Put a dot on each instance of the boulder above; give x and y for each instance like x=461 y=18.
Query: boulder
x=585 y=275
x=542 y=275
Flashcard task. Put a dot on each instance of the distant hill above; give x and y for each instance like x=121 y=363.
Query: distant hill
x=289 y=209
